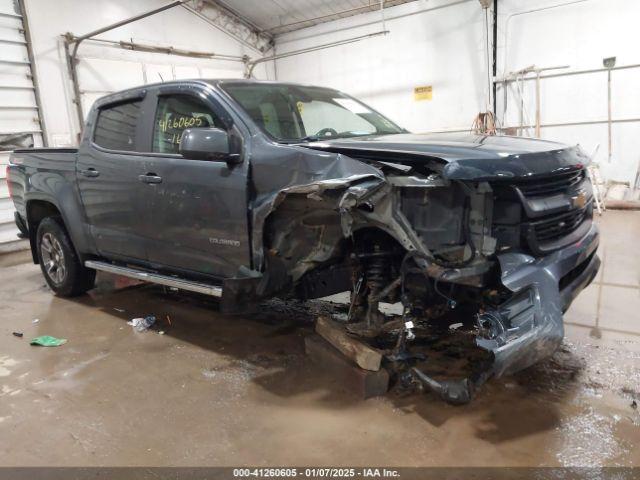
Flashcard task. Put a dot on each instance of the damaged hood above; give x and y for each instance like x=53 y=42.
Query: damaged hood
x=463 y=156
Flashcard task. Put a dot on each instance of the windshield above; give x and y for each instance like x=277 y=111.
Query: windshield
x=293 y=113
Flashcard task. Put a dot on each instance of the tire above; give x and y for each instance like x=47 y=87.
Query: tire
x=60 y=265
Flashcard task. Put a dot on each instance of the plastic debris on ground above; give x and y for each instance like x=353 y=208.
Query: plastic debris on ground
x=18 y=334
x=48 y=341
x=35 y=320
x=142 y=324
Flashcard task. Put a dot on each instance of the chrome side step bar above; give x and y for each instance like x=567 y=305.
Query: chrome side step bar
x=150 y=277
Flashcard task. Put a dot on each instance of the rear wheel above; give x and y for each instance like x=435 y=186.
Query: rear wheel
x=60 y=265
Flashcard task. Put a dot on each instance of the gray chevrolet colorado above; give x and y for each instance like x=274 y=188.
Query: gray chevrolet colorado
x=249 y=190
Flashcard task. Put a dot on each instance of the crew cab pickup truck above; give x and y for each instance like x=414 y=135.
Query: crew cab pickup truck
x=249 y=190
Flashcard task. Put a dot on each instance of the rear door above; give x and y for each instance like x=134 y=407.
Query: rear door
x=199 y=218
x=109 y=167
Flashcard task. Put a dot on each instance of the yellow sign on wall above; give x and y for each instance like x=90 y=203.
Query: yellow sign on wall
x=424 y=92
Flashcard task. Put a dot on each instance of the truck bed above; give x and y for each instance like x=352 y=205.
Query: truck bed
x=39 y=159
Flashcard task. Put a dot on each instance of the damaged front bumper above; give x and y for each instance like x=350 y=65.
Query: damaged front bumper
x=529 y=327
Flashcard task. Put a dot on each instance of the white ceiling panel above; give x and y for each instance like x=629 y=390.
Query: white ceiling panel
x=281 y=16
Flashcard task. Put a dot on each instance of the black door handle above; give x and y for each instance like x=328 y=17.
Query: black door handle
x=90 y=172
x=150 y=178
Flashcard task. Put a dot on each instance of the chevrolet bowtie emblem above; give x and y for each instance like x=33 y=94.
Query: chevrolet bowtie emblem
x=579 y=201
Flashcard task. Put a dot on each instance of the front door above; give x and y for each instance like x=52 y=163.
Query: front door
x=108 y=169
x=199 y=219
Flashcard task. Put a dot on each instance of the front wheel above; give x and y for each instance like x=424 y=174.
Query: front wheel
x=60 y=265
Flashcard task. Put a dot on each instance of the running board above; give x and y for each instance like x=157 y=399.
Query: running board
x=166 y=280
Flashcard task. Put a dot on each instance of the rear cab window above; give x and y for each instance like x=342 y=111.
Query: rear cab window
x=117 y=125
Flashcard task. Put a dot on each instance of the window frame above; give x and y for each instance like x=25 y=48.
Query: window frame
x=194 y=99
x=199 y=93
x=259 y=128
x=140 y=128
x=234 y=125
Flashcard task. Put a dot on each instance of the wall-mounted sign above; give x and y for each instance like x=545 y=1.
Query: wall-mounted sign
x=424 y=92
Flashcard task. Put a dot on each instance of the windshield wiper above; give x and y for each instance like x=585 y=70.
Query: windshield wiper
x=309 y=138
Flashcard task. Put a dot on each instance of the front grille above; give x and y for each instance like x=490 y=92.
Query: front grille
x=552 y=184
x=542 y=213
x=559 y=225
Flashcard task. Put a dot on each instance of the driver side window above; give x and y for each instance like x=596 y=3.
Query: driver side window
x=174 y=114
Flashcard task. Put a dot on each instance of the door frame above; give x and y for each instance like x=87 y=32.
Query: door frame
x=239 y=137
x=88 y=149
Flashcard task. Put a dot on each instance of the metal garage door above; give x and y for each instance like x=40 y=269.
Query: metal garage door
x=20 y=124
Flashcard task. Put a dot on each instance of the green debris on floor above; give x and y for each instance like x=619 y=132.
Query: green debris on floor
x=48 y=341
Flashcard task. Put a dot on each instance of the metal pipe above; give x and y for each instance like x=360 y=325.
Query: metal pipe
x=506 y=27
x=494 y=51
x=34 y=74
x=609 y=111
x=251 y=65
x=538 y=104
x=488 y=57
x=18 y=107
x=21 y=132
x=72 y=54
x=548 y=125
x=80 y=39
x=142 y=47
x=569 y=74
x=521 y=93
x=73 y=74
x=16 y=87
x=6 y=41
x=574 y=124
x=13 y=62
x=519 y=77
x=10 y=15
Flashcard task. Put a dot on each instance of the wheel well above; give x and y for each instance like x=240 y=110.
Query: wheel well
x=337 y=275
x=365 y=238
x=38 y=210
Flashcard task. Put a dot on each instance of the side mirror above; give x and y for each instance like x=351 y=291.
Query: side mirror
x=207 y=144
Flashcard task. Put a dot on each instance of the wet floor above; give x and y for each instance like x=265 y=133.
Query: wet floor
x=224 y=390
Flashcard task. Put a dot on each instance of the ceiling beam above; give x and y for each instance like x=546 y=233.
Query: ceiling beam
x=233 y=24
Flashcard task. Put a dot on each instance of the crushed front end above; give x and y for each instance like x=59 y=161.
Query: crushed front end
x=511 y=255
x=481 y=253
x=503 y=256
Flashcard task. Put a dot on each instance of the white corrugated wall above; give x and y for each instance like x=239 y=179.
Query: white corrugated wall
x=19 y=115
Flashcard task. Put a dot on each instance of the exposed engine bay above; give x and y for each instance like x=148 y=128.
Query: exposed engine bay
x=497 y=259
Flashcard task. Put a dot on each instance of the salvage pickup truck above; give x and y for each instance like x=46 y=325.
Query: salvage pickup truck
x=249 y=190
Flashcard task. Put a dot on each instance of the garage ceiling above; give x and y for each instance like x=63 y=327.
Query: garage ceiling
x=281 y=16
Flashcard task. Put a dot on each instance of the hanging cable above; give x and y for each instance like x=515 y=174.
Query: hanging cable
x=485 y=124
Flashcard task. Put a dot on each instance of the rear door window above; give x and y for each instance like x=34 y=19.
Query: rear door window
x=174 y=115
x=117 y=125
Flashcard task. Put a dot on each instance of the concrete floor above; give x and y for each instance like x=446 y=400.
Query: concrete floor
x=222 y=390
